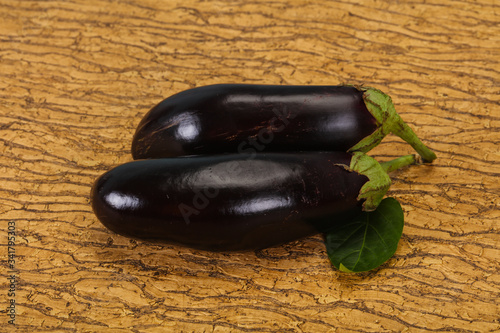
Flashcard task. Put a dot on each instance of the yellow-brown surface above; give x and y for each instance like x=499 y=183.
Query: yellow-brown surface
x=77 y=76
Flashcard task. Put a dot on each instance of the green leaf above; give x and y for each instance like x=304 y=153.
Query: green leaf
x=368 y=239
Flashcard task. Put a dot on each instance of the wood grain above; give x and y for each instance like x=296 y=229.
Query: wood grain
x=77 y=76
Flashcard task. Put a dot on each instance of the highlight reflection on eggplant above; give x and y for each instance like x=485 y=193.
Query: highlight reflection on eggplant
x=231 y=118
x=234 y=202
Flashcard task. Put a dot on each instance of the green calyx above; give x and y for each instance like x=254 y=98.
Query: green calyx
x=388 y=120
x=374 y=190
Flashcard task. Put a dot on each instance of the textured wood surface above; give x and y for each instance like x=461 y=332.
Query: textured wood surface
x=77 y=76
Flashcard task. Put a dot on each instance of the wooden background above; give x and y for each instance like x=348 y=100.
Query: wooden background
x=77 y=76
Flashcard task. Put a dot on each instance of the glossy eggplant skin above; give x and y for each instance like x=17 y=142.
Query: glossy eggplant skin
x=230 y=118
x=228 y=202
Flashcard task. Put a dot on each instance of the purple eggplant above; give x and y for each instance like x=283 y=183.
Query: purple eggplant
x=236 y=201
x=236 y=118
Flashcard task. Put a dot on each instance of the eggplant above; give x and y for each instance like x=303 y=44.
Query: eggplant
x=236 y=118
x=237 y=201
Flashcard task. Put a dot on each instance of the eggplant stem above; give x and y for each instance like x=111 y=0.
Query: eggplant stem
x=382 y=109
x=401 y=129
x=399 y=163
